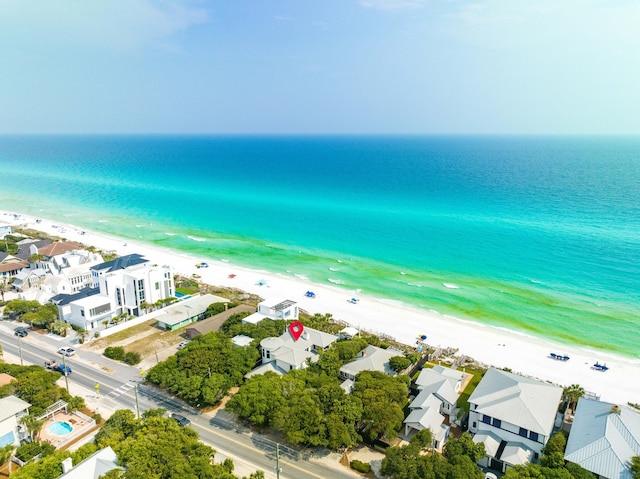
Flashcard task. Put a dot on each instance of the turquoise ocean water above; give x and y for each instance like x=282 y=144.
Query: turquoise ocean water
x=540 y=234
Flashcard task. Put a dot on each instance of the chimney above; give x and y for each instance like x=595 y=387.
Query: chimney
x=67 y=465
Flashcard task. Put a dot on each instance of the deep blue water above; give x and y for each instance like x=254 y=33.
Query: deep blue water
x=541 y=234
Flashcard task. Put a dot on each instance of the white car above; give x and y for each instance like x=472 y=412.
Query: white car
x=67 y=351
x=183 y=344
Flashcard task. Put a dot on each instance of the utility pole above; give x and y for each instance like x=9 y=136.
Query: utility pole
x=20 y=350
x=278 y=468
x=135 y=390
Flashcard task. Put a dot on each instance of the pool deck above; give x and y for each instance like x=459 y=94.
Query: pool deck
x=79 y=424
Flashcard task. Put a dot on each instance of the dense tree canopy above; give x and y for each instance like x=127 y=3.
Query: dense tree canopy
x=205 y=370
x=413 y=462
x=156 y=447
x=50 y=467
x=33 y=384
x=307 y=408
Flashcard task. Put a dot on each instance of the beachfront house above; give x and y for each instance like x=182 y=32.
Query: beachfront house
x=372 y=358
x=603 y=438
x=12 y=409
x=513 y=416
x=69 y=272
x=439 y=389
x=274 y=309
x=187 y=311
x=131 y=282
x=286 y=353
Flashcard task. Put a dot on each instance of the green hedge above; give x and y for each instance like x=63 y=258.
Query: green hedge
x=115 y=352
x=360 y=466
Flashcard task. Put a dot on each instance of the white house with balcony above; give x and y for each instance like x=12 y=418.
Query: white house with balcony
x=131 y=281
x=126 y=285
x=439 y=389
x=513 y=416
x=274 y=309
x=12 y=431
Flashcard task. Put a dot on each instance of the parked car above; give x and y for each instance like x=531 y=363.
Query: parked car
x=182 y=421
x=50 y=363
x=67 y=351
x=183 y=344
x=20 y=332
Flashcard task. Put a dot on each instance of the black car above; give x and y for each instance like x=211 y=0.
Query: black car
x=182 y=421
x=20 y=332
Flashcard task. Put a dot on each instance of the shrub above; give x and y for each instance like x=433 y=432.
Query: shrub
x=96 y=417
x=360 y=466
x=132 y=358
x=114 y=352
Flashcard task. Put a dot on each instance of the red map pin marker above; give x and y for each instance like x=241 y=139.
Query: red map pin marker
x=296 y=329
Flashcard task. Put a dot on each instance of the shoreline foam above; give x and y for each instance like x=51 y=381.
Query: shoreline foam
x=490 y=345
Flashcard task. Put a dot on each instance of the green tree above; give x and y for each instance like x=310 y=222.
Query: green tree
x=33 y=424
x=464 y=446
x=571 y=395
x=635 y=467
x=5 y=454
x=399 y=363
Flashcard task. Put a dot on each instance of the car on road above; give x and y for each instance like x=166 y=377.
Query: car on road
x=20 y=332
x=66 y=351
x=182 y=421
x=183 y=344
x=64 y=370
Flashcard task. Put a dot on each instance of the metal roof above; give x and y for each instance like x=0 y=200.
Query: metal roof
x=604 y=437
x=518 y=400
x=121 y=263
x=12 y=405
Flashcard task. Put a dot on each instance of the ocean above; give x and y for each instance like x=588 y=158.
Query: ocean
x=539 y=235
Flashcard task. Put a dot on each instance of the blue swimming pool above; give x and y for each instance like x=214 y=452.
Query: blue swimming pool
x=60 y=428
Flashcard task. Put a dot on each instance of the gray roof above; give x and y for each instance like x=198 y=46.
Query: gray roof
x=602 y=440
x=372 y=358
x=12 y=405
x=120 y=263
x=427 y=416
x=518 y=400
x=440 y=381
x=188 y=308
x=94 y=466
x=516 y=453
x=64 y=299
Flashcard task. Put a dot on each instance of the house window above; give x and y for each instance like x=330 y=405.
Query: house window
x=496 y=422
x=523 y=432
x=533 y=436
x=82 y=312
x=486 y=419
x=157 y=286
x=474 y=425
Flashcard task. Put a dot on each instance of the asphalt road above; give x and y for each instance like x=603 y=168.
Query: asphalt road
x=118 y=384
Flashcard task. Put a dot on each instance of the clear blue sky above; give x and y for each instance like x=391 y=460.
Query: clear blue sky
x=323 y=66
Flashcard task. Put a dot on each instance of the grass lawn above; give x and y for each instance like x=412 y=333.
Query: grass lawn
x=122 y=335
x=463 y=400
x=186 y=291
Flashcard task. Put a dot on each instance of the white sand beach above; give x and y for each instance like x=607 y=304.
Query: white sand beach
x=491 y=346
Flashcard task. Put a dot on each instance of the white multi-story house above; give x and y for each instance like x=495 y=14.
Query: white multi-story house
x=513 y=416
x=439 y=389
x=274 y=308
x=132 y=281
x=11 y=410
x=127 y=285
x=71 y=270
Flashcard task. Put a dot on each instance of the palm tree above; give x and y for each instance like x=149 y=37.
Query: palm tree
x=33 y=425
x=5 y=455
x=571 y=395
